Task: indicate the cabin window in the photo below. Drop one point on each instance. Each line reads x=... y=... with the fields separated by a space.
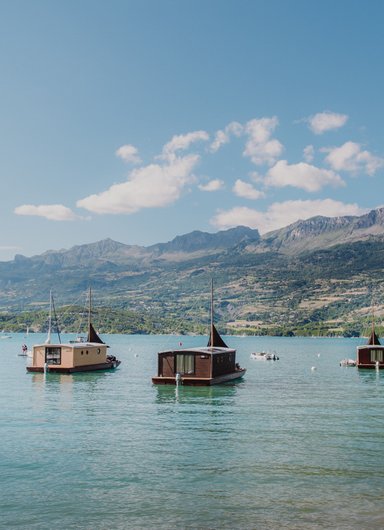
x=185 y=364
x=53 y=355
x=376 y=355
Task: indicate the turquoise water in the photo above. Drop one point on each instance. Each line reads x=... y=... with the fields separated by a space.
x=287 y=448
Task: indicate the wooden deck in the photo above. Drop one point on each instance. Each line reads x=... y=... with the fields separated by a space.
x=84 y=368
x=199 y=381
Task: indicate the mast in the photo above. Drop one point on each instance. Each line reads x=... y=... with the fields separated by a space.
x=48 y=340
x=212 y=313
x=373 y=319
x=92 y=335
x=215 y=341
x=89 y=307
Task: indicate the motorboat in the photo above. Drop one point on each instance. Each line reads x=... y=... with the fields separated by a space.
x=348 y=362
x=264 y=356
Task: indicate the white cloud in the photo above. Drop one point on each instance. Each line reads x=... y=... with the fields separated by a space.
x=128 y=153
x=281 y=214
x=256 y=177
x=223 y=137
x=309 y=153
x=212 y=185
x=181 y=142
x=152 y=186
x=246 y=190
x=10 y=247
x=53 y=212
x=302 y=175
x=326 y=121
x=350 y=157
x=260 y=147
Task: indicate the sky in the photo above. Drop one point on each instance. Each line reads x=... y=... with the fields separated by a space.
x=142 y=120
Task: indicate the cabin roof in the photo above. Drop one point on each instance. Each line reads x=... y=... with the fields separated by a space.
x=73 y=345
x=206 y=350
x=371 y=347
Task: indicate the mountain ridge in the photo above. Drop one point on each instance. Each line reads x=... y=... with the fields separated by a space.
x=318 y=270
x=315 y=232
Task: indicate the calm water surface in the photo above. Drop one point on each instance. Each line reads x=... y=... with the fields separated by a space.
x=287 y=448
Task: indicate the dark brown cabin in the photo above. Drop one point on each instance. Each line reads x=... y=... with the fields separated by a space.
x=371 y=355
x=199 y=366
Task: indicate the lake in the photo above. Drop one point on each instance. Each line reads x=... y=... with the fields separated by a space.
x=288 y=447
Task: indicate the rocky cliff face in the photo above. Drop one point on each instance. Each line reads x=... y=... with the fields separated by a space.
x=323 y=232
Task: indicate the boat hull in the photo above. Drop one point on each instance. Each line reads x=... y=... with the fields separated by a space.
x=73 y=369
x=199 y=381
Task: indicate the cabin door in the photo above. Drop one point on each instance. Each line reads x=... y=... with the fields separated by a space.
x=53 y=355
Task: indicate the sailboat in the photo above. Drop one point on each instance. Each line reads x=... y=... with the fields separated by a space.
x=70 y=357
x=208 y=365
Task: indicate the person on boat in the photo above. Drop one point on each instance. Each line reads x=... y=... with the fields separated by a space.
x=24 y=348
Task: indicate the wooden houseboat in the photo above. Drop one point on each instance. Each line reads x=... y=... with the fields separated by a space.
x=210 y=365
x=371 y=355
x=75 y=356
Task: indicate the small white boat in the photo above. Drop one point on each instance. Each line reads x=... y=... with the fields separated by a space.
x=264 y=356
x=347 y=362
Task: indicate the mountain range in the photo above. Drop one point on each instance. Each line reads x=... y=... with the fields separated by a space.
x=323 y=271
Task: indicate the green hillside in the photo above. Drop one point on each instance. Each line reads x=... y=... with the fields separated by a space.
x=288 y=282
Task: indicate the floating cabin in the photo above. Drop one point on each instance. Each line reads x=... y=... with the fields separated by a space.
x=75 y=356
x=371 y=355
x=210 y=365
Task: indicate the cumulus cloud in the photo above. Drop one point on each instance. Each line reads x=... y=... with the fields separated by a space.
x=350 y=157
x=9 y=247
x=223 y=136
x=152 y=186
x=260 y=147
x=52 y=212
x=309 y=153
x=256 y=177
x=181 y=142
x=304 y=176
x=281 y=214
x=326 y=121
x=212 y=185
x=246 y=190
x=128 y=153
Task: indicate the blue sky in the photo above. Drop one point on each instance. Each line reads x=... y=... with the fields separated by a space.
x=143 y=120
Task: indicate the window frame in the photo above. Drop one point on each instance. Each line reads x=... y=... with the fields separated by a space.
x=182 y=367
x=376 y=356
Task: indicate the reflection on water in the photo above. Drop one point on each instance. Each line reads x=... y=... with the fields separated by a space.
x=65 y=389
x=55 y=378
x=205 y=395
x=367 y=376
